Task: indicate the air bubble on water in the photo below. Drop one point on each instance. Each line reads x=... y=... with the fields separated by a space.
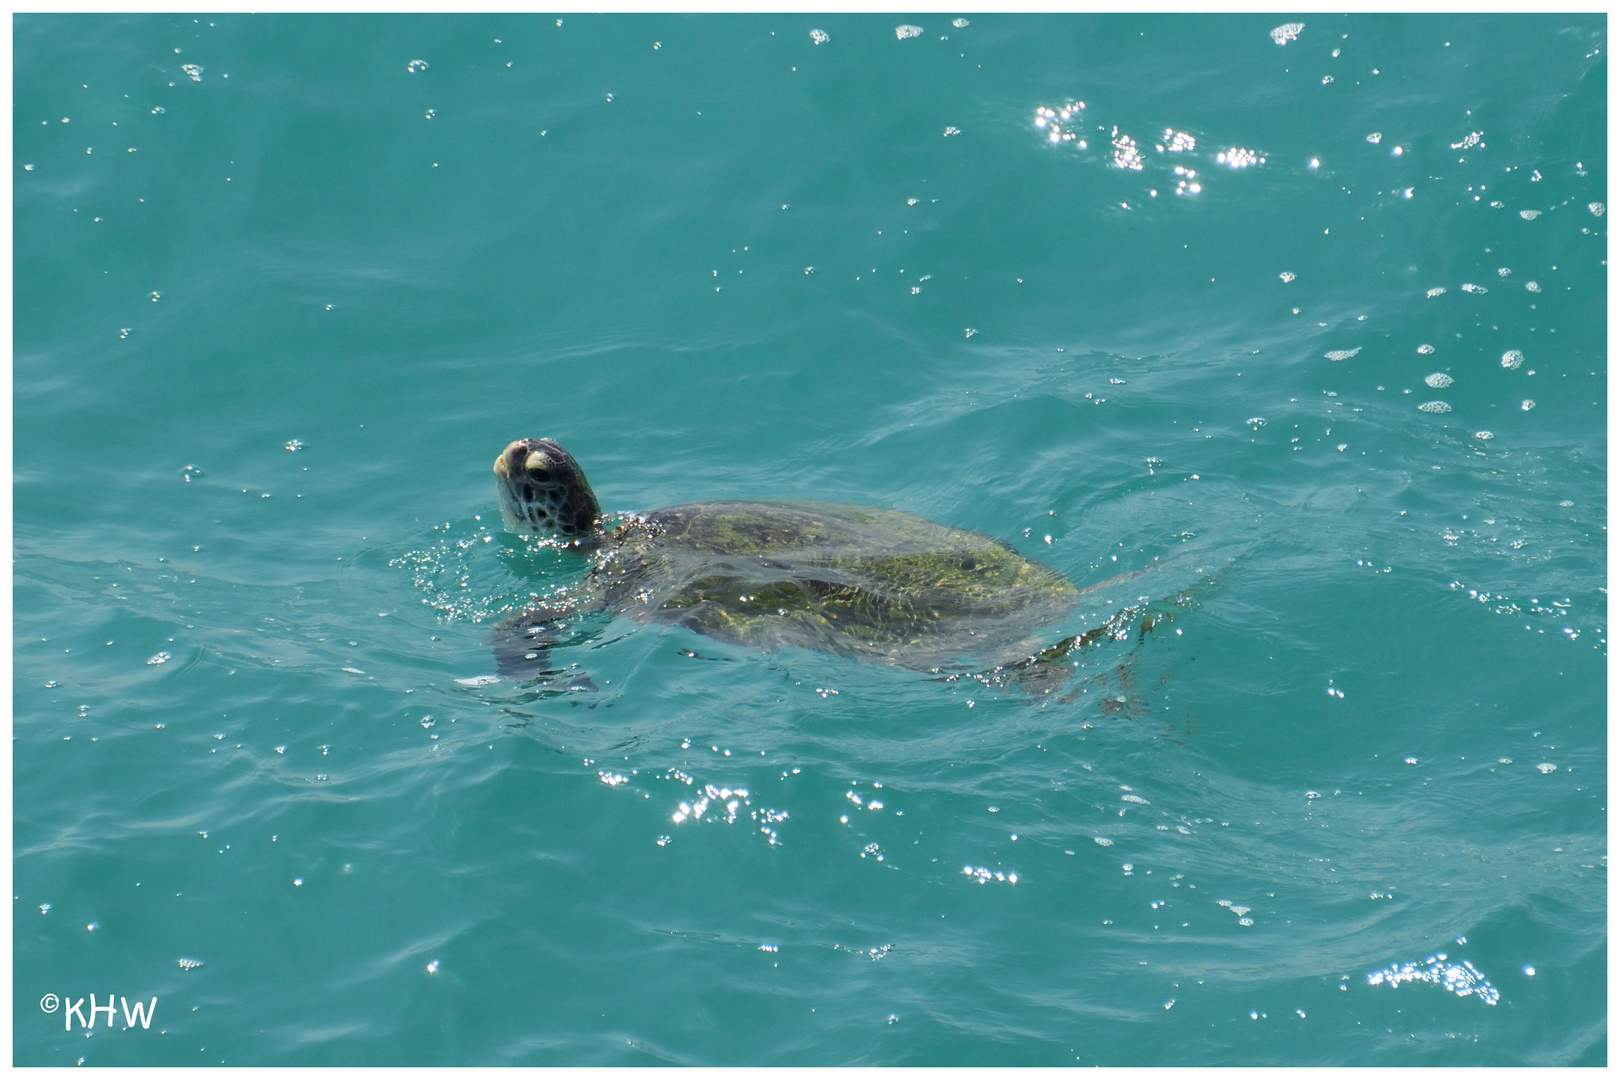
x=1531 y=286
x=416 y=65
x=1529 y=215
x=1484 y=435
x=160 y=658
x=1438 y=290
x=1342 y=354
x=1470 y=287
x=1546 y=767
x=1287 y=32
x=1439 y=380
x=960 y=24
x=1375 y=138
x=1434 y=407
x=1287 y=276
x=1512 y=359
x=1103 y=841
x=820 y=37
x=1527 y=404
x=1425 y=350
x=904 y=31
x=1596 y=208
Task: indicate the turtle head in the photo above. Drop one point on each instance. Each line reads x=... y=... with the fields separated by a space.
x=540 y=488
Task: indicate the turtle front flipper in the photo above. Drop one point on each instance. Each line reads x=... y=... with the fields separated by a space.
x=522 y=646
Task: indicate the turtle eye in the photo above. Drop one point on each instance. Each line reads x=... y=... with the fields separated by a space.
x=541 y=475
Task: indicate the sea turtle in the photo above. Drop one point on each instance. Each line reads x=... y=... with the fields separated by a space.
x=875 y=584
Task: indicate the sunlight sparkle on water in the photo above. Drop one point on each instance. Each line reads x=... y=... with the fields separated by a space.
x=1460 y=978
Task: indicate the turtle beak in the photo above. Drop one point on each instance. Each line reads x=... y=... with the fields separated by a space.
x=508 y=459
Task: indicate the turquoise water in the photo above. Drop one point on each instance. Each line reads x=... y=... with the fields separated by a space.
x=276 y=314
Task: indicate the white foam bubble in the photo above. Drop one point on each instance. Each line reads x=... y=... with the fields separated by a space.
x=1512 y=359
x=1434 y=407
x=1439 y=380
x=1287 y=32
x=1342 y=354
x=905 y=31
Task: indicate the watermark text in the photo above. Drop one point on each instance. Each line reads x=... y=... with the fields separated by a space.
x=140 y=1012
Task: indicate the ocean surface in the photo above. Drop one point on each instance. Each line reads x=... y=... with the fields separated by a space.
x=1301 y=326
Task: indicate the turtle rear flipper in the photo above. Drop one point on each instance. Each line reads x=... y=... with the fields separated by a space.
x=1048 y=670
